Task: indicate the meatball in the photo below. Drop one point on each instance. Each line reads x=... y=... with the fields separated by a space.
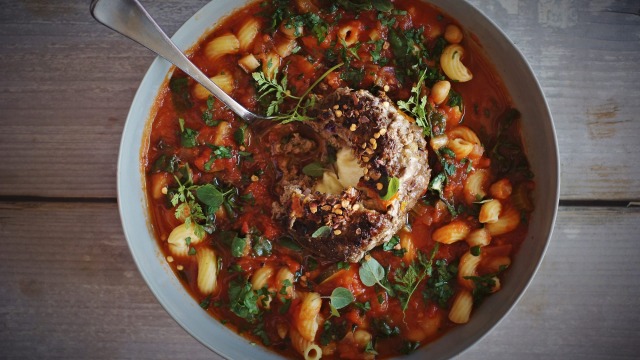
x=351 y=208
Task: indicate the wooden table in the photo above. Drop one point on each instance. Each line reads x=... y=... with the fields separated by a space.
x=69 y=288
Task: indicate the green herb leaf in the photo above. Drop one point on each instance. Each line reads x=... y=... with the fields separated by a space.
x=439 y=287
x=205 y=302
x=364 y=307
x=371 y=273
x=333 y=331
x=280 y=93
x=384 y=329
x=391 y=244
x=238 y=246
x=187 y=136
x=210 y=195
x=369 y=349
x=341 y=297
x=289 y=243
x=243 y=300
x=484 y=284
x=240 y=134
x=392 y=188
x=262 y=247
x=314 y=169
x=407 y=281
x=409 y=346
x=382 y=5
x=322 y=232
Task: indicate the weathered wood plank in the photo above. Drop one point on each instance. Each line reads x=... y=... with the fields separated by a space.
x=71 y=290
x=66 y=84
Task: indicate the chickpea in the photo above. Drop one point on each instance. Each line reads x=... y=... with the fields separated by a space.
x=453 y=34
x=440 y=91
x=362 y=337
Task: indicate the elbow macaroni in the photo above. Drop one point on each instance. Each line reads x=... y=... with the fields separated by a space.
x=490 y=211
x=507 y=222
x=461 y=307
x=452 y=65
x=207 y=270
x=179 y=237
x=454 y=231
x=475 y=187
x=247 y=33
x=307 y=348
x=223 y=80
x=306 y=323
x=222 y=45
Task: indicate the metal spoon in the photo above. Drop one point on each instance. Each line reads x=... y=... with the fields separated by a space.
x=129 y=18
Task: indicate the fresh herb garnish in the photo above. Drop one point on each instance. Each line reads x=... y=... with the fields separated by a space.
x=187 y=206
x=314 y=169
x=340 y=298
x=289 y=243
x=408 y=279
x=409 y=346
x=243 y=300
x=392 y=189
x=333 y=331
x=262 y=246
x=218 y=152
x=271 y=87
x=371 y=273
x=322 y=232
x=207 y=115
x=238 y=247
x=484 y=284
x=417 y=106
x=369 y=349
x=355 y=5
x=391 y=244
x=439 y=289
x=187 y=136
x=384 y=329
x=240 y=135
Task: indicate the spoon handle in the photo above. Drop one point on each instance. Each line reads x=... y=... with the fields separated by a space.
x=129 y=18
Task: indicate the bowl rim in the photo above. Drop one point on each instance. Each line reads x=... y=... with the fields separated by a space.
x=185 y=40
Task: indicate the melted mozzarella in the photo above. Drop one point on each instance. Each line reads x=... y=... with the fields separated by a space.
x=348 y=174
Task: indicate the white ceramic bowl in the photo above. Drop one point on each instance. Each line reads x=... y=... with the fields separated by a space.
x=540 y=142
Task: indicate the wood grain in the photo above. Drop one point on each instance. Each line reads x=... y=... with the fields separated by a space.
x=71 y=290
x=66 y=84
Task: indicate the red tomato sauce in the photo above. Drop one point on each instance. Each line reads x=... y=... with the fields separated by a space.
x=227 y=172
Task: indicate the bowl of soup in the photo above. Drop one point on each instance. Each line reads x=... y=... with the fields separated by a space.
x=398 y=203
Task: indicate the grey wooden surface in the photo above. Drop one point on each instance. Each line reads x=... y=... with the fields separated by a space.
x=69 y=288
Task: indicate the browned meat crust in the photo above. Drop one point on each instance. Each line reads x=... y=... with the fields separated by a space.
x=387 y=144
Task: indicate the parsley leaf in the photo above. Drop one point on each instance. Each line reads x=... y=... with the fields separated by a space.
x=280 y=93
x=407 y=280
x=187 y=136
x=243 y=300
x=439 y=288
